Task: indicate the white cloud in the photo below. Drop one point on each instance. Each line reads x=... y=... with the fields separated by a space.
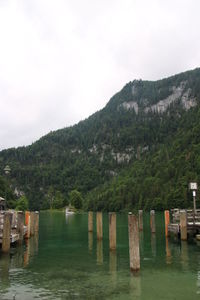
x=60 y=61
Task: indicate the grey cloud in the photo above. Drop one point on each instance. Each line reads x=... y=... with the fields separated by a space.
x=60 y=61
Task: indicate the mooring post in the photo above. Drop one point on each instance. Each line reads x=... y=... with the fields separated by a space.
x=183 y=224
x=99 y=225
x=167 y=221
x=36 y=223
x=27 y=223
x=6 y=233
x=20 y=225
x=152 y=221
x=112 y=230
x=140 y=220
x=134 y=250
x=32 y=223
x=90 y=221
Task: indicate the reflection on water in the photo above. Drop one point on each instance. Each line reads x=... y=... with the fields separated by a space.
x=11 y=267
x=99 y=252
x=69 y=218
x=4 y=270
x=153 y=244
x=90 y=241
x=67 y=262
x=184 y=255
x=141 y=240
x=168 y=251
x=113 y=268
x=135 y=285
x=31 y=249
x=113 y=262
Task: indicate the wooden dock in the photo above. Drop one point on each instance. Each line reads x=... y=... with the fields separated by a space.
x=19 y=226
x=192 y=221
x=14 y=235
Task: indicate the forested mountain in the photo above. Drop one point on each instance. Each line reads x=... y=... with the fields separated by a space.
x=141 y=150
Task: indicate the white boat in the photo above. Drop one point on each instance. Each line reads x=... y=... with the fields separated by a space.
x=68 y=212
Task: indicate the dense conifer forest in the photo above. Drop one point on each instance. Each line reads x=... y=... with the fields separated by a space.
x=140 y=151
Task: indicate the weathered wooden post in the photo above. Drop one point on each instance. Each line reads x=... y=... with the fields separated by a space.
x=27 y=223
x=14 y=220
x=36 y=223
x=6 y=233
x=152 y=221
x=32 y=223
x=167 y=221
x=90 y=221
x=20 y=226
x=112 y=230
x=99 y=226
x=183 y=224
x=140 y=220
x=134 y=251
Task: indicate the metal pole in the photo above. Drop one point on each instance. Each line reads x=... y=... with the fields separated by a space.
x=194 y=205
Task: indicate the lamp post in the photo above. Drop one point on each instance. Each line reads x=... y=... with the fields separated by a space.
x=7 y=170
x=193 y=187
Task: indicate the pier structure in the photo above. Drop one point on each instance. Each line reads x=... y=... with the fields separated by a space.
x=184 y=223
x=15 y=226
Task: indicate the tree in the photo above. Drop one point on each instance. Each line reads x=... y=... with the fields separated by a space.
x=58 y=200
x=22 y=203
x=76 y=199
x=55 y=198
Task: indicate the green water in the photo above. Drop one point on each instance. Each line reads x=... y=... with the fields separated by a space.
x=66 y=262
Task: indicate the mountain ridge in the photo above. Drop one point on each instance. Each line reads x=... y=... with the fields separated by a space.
x=135 y=122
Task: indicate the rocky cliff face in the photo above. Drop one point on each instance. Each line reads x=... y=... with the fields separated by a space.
x=184 y=96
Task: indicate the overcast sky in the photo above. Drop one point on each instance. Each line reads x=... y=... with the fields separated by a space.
x=62 y=60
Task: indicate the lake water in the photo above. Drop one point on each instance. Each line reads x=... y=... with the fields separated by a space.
x=65 y=262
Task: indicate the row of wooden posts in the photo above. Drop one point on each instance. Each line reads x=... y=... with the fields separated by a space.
x=135 y=224
x=27 y=225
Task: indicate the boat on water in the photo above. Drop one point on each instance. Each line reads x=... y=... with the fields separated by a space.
x=68 y=211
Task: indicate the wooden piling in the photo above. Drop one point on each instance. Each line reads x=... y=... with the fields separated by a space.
x=99 y=225
x=20 y=226
x=167 y=222
x=36 y=223
x=6 y=233
x=152 y=221
x=112 y=230
x=183 y=224
x=32 y=223
x=90 y=221
x=140 y=220
x=134 y=251
x=27 y=223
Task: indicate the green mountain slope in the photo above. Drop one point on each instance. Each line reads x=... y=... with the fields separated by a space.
x=159 y=180
x=131 y=153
